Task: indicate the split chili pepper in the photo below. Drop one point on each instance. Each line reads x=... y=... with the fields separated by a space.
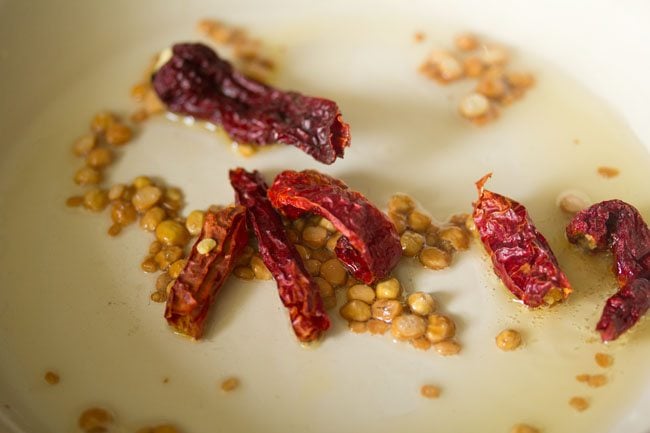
x=298 y=292
x=617 y=226
x=199 y=282
x=196 y=82
x=520 y=254
x=369 y=246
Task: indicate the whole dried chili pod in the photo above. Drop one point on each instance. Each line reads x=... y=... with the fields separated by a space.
x=617 y=226
x=199 y=282
x=369 y=246
x=196 y=82
x=520 y=254
x=298 y=292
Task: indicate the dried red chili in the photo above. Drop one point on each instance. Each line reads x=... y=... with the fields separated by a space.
x=520 y=254
x=618 y=226
x=369 y=246
x=196 y=82
x=197 y=285
x=298 y=292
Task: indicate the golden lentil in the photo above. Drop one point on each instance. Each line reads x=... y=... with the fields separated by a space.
x=457 y=237
x=418 y=221
x=355 y=310
x=334 y=272
x=114 y=230
x=95 y=199
x=168 y=255
x=163 y=281
x=473 y=106
x=146 y=197
x=194 y=222
x=440 y=328
x=447 y=348
x=399 y=221
x=386 y=309
x=95 y=420
x=159 y=296
x=87 y=176
x=523 y=428
x=244 y=273
x=358 y=327
x=206 y=245
x=322 y=255
x=376 y=326
x=230 y=384
x=579 y=403
x=99 y=157
x=118 y=134
x=149 y=265
x=84 y=144
x=304 y=252
x=123 y=213
x=171 y=232
x=492 y=85
x=52 y=378
x=141 y=182
x=102 y=121
x=74 y=201
x=361 y=292
x=176 y=268
x=152 y=217
x=408 y=326
x=401 y=204
x=604 y=360
x=313 y=267
x=412 y=243
x=421 y=343
x=327 y=225
x=325 y=288
x=139 y=116
x=388 y=289
x=508 y=340
x=466 y=42
x=421 y=303
x=435 y=258
x=473 y=66
x=494 y=55
x=259 y=269
x=329 y=302
x=314 y=237
x=115 y=191
x=430 y=391
x=331 y=242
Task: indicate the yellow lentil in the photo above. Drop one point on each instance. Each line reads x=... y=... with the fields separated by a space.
x=388 y=289
x=102 y=121
x=358 y=327
x=408 y=326
x=466 y=42
x=84 y=144
x=421 y=303
x=244 y=273
x=87 y=176
x=421 y=343
x=116 y=191
x=168 y=255
x=523 y=428
x=313 y=267
x=155 y=247
x=114 y=230
x=435 y=258
x=430 y=391
x=123 y=213
x=163 y=281
x=95 y=199
x=334 y=272
x=327 y=225
x=52 y=378
x=447 y=348
x=171 y=232
x=322 y=255
x=579 y=403
x=259 y=269
x=118 y=134
x=99 y=157
x=361 y=292
x=412 y=243
x=597 y=380
x=399 y=221
x=158 y=296
x=149 y=265
x=230 y=384
x=176 y=268
x=331 y=242
x=141 y=182
x=508 y=340
x=314 y=237
x=95 y=420
x=304 y=252
x=376 y=326
x=604 y=360
x=418 y=221
x=473 y=66
x=355 y=310
x=457 y=237
x=440 y=328
x=386 y=309
x=146 y=197
x=329 y=302
x=194 y=222
x=325 y=289
x=152 y=218
x=74 y=201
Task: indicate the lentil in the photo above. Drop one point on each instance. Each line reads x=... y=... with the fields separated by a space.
x=146 y=197
x=435 y=258
x=114 y=230
x=52 y=378
x=158 y=297
x=334 y=272
x=163 y=281
x=579 y=403
x=322 y=255
x=304 y=252
x=474 y=106
x=466 y=42
x=408 y=326
x=473 y=66
x=102 y=121
x=447 y=348
x=412 y=243
x=388 y=289
x=118 y=134
x=329 y=302
x=313 y=266
x=604 y=360
x=331 y=242
x=171 y=232
x=608 y=172
x=293 y=236
x=440 y=328
x=494 y=55
x=168 y=255
x=149 y=265
x=95 y=199
x=175 y=268
x=152 y=218
x=74 y=201
x=141 y=182
x=259 y=269
x=87 y=176
x=206 y=245
x=244 y=273
x=401 y=204
x=95 y=420
x=421 y=303
x=386 y=309
x=572 y=204
x=508 y=340
x=230 y=384
x=523 y=428
x=430 y=391
x=115 y=191
x=376 y=326
x=361 y=292
x=325 y=289
x=194 y=222
x=355 y=310
x=123 y=213
x=358 y=327
x=519 y=80
x=327 y=225
x=418 y=221
x=421 y=343
x=99 y=157
x=492 y=85
x=84 y=144
x=597 y=380
x=399 y=221
x=314 y=237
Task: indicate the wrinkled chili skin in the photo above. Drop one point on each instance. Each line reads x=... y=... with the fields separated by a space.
x=521 y=256
x=196 y=82
x=298 y=292
x=617 y=226
x=199 y=282
x=369 y=246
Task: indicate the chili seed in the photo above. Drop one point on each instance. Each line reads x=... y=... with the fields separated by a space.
x=244 y=273
x=508 y=340
x=84 y=144
x=314 y=237
x=99 y=157
x=358 y=327
x=324 y=288
x=386 y=309
x=440 y=328
x=572 y=204
x=579 y=403
x=604 y=360
x=52 y=378
x=418 y=221
x=355 y=310
x=435 y=258
x=523 y=428
x=412 y=243
x=430 y=391
x=388 y=289
x=401 y=204
x=152 y=218
x=206 y=245
x=259 y=269
x=114 y=230
x=194 y=222
x=87 y=176
x=334 y=272
x=118 y=134
x=376 y=326
x=95 y=199
x=149 y=265
x=95 y=420
x=171 y=232
x=123 y=213
x=176 y=268
x=447 y=348
x=230 y=384
x=362 y=293
x=74 y=201
x=421 y=303
x=145 y=197
x=408 y=326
